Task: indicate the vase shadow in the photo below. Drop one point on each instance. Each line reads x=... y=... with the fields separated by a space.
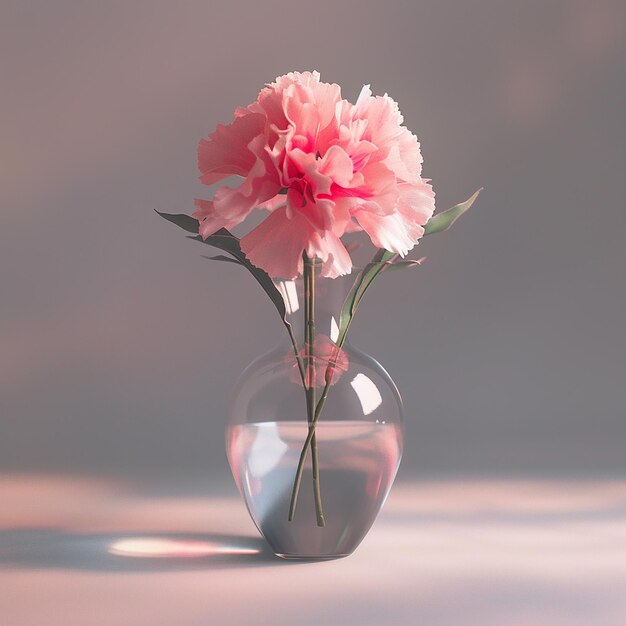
x=42 y=547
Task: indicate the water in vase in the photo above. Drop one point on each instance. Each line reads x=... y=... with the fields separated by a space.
x=358 y=461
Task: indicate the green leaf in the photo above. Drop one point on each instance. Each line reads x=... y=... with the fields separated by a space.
x=381 y=259
x=398 y=265
x=221 y=257
x=361 y=285
x=384 y=259
x=227 y=242
x=186 y=222
x=442 y=221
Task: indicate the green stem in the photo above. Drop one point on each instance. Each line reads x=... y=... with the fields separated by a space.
x=318 y=411
x=310 y=391
x=294 y=345
x=316 y=415
x=319 y=510
x=380 y=258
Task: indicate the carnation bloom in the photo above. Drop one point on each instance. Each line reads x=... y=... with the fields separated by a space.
x=322 y=167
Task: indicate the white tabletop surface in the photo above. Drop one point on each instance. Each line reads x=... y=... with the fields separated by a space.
x=444 y=552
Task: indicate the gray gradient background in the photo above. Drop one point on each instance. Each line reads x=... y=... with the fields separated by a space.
x=118 y=343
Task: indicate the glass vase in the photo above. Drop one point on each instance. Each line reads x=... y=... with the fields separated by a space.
x=314 y=482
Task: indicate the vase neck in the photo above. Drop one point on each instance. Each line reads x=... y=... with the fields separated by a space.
x=329 y=297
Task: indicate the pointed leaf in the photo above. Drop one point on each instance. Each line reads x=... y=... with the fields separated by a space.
x=221 y=257
x=186 y=222
x=442 y=221
x=226 y=241
x=381 y=259
x=361 y=284
x=397 y=265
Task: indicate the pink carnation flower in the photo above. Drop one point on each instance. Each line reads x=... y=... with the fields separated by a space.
x=322 y=167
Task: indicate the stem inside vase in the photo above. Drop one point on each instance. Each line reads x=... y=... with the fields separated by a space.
x=310 y=392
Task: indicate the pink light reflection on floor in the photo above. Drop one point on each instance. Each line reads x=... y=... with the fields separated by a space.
x=518 y=552
x=155 y=547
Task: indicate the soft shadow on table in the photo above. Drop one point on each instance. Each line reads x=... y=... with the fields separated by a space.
x=131 y=552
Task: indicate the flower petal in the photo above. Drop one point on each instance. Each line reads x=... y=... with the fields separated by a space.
x=261 y=184
x=385 y=231
x=226 y=152
x=365 y=93
x=416 y=206
x=210 y=220
x=277 y=243
x=329 y=248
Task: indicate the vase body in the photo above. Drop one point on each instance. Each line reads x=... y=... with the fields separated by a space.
x=358 y=435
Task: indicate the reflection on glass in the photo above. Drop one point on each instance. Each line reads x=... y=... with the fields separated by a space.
x=334 y=328
x=367 y=393
x=267 y=450
x=289 y=293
